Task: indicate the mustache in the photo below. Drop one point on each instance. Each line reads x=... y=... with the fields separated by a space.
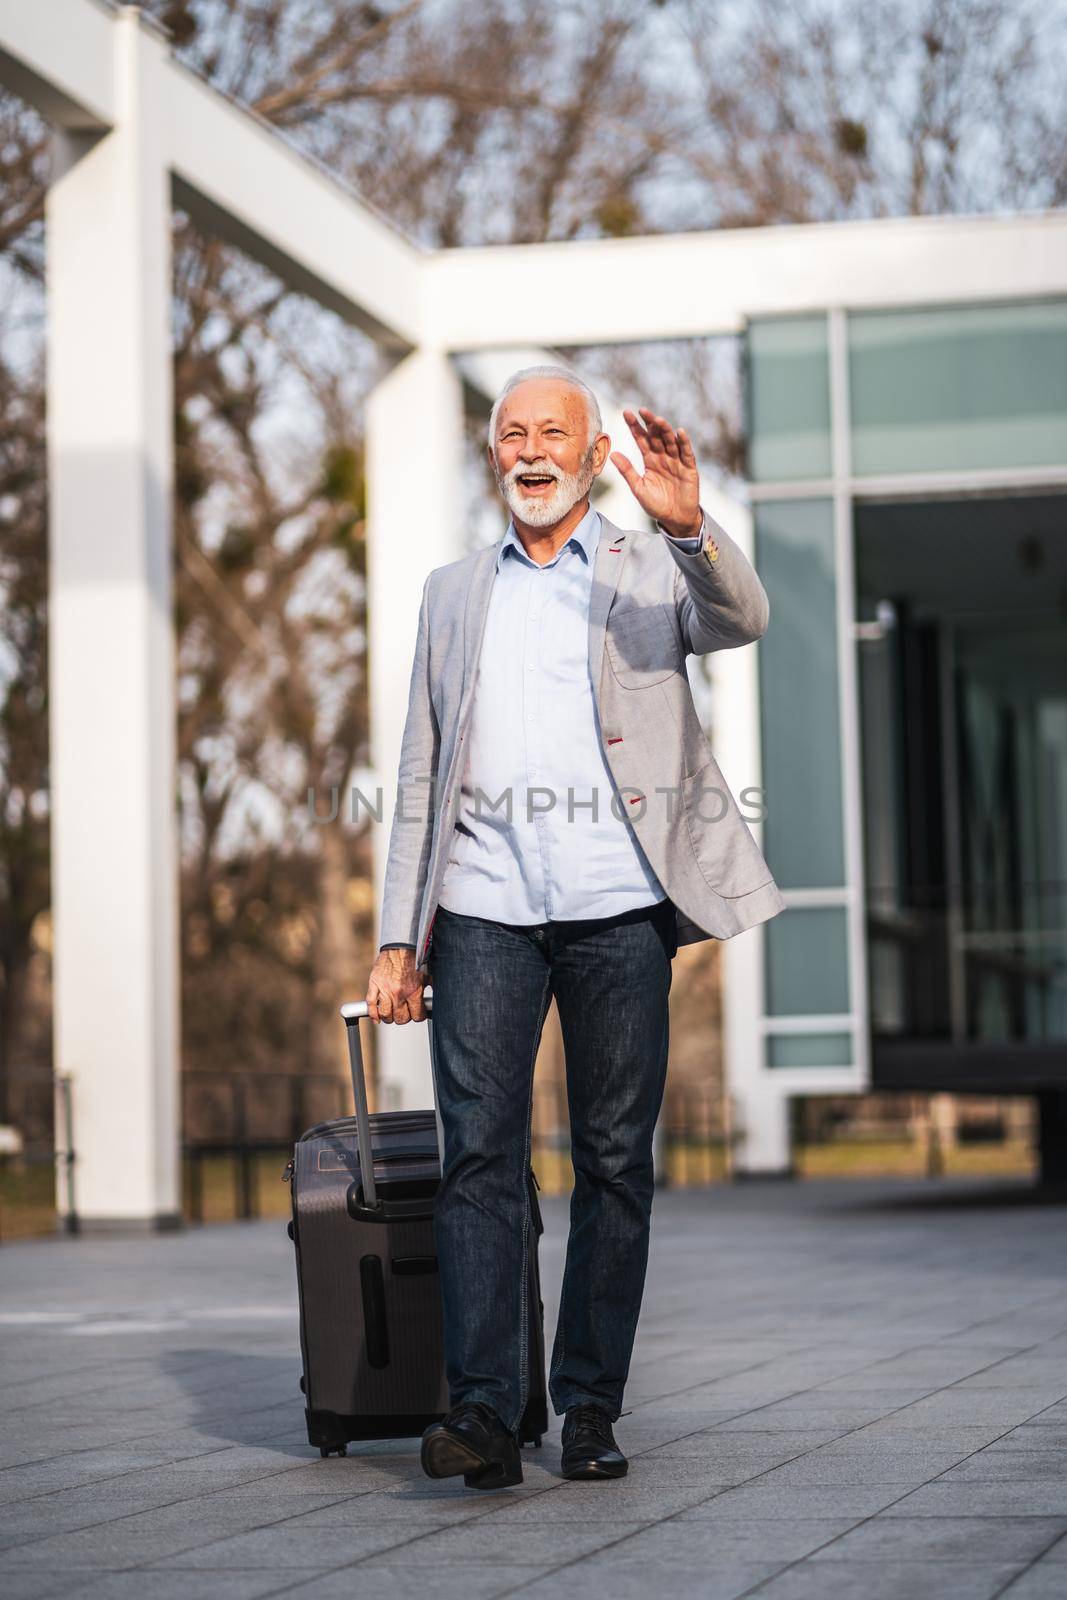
x=521 y=469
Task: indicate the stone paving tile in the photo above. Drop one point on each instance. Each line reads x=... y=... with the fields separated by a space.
x=901 y=1387
x=1051 y=1416
x=412 y=1509
x=1039 y=1582
x=409 y=1482
x=903 y=1580
x=659 y=1472
x=337 y=1475
x=280 y=1548
x=741 y=1535
x=893 y=1434
x=71 y=1472
x=762 y=1501
x=650 y=1427
x=155 y=1583
x=963 y=1406
x=1011 y=1466
x=474 y=1580
x=109 y=1544
x=624 y=1499
x=26 y=1522
x=30 y=1585
x=487 y=1539
x=865 y=1397
x=210 y=1463
x=40 y=1443
x=135 y=1536
x=732 y=1400
x=728 y=1473
x=865 y=1446
x=1033 y=1435
x=185 y=1480
x=944 y=1499
x=787 y=1416
x=689 y=1541
x=1022 y=1372
x=642 y=1579
x=719 y=1447
x=948 y=1538
x=904 y=1467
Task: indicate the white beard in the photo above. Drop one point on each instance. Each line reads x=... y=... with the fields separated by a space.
x=542 y=513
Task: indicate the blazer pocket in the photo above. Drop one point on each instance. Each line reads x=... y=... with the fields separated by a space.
x=728 y=856
x=642 y=646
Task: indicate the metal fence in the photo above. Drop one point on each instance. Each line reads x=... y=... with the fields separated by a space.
x=240 y=1119
x=235 y=1124
x=37 y=1166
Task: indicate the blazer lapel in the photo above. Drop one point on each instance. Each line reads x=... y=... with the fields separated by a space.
x=474 y=616
x=612 y=549
x=611 y=552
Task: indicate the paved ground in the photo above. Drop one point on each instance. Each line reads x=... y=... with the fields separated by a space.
x=840 y=1390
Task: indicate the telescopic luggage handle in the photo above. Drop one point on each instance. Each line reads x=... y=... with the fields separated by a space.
x=353 y=1014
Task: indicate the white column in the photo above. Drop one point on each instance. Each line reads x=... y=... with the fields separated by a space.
x=415 y=504
x=759 y=1107
x=111 y=670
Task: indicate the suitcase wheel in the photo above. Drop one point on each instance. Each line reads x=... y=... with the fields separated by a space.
x=303 y=1386
x=333 y=1450
x=289 y=1231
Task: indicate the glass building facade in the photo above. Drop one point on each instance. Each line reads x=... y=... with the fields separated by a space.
x=908 y=476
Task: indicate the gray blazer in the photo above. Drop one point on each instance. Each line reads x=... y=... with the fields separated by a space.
x=651 y=606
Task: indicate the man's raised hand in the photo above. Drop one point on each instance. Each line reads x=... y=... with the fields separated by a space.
x=669 y=491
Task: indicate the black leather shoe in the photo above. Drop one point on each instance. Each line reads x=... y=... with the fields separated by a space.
x=589 y=1447
x=473 y=1440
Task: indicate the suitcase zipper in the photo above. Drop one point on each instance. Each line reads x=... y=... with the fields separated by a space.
x=288 y=1172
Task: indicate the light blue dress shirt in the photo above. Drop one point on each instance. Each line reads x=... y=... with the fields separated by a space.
x=545 y=855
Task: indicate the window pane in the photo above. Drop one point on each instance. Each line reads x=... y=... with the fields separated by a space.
x=802 y=837
x=807 y=962
x=961 y=386
x=788 y=399
x=809 y=1049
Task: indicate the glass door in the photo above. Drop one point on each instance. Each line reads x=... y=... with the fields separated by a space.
x=963 y=711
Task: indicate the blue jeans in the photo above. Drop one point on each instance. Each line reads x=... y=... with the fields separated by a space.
x=492 y=984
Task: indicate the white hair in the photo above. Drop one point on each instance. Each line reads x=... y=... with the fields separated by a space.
x=561 y=375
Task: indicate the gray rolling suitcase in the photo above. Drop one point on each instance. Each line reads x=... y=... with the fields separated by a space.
x=366 y=1266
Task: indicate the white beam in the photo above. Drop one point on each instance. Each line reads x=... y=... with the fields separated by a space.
x=111 y=666
x=691 y=285
x=239 y=177
x=232 y=171
x=414 y=471
x=59 y=58
x=761 y=1111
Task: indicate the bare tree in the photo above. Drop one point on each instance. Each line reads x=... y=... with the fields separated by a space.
x=820 y=110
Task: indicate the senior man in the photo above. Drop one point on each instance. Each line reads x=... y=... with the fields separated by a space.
x=561 y=827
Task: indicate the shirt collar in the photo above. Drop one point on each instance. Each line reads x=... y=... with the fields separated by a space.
x=584 y=539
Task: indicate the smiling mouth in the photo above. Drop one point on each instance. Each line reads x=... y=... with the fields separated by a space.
x=533 y=481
